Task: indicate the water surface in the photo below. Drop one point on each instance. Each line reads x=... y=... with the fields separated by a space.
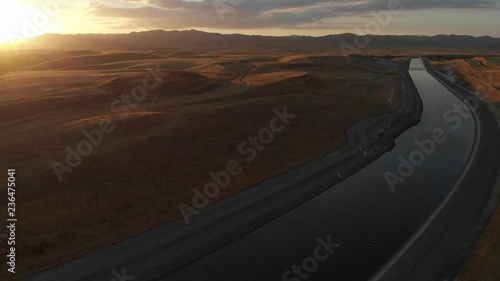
x=361 y=213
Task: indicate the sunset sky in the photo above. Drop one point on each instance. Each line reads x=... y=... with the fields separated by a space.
x=27 y=18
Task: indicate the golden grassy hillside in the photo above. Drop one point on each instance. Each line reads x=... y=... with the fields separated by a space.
x=203 y=107
x=478 y=73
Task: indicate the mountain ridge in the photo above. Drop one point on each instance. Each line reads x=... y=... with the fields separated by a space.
x=195 y=39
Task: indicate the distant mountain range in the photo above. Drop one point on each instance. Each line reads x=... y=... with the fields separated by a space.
x=198 y=40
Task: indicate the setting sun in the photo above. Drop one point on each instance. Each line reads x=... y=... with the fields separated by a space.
x=19 y=21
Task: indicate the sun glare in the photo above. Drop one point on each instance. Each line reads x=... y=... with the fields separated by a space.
x=19 y=21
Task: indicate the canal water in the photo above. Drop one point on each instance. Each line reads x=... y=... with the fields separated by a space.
x=369 y=218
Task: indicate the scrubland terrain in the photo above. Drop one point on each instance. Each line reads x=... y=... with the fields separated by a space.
x=195 y=111
x=474 y=73
x=481 y=74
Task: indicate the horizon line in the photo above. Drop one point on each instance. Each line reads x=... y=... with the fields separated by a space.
x=262 y=35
